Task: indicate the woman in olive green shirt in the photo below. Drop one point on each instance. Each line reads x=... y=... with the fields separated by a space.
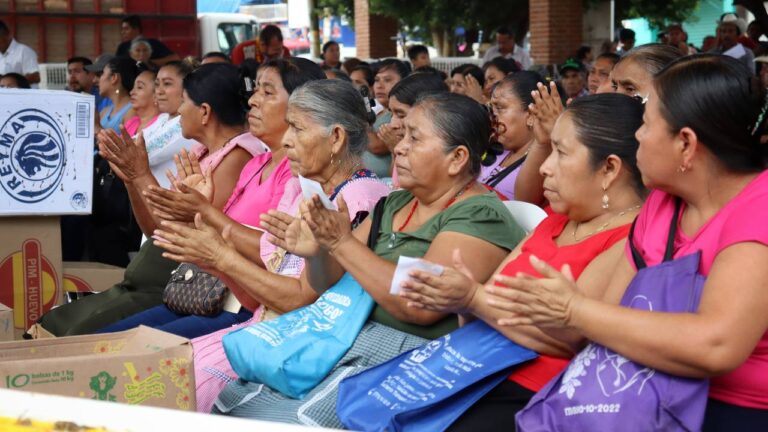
x=442 y=208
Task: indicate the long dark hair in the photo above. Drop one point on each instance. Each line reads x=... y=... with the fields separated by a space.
x=603 y=138
x=218 y=85
x=714 y=96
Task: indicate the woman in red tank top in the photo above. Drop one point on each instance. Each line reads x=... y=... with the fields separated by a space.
x=594 y=189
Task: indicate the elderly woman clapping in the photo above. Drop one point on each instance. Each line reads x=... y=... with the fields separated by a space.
x=326 y=136
x=441 y=207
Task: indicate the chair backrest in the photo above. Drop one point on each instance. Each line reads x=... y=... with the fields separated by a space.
x=527 y=215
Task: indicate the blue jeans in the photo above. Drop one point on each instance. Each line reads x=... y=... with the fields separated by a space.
x=188 y=326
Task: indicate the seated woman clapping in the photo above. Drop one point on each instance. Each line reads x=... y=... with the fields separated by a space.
x=260 y=187
x=707 y=166
x=209 y=114
x=441 y=208
x=594 y=188
x=326 y=137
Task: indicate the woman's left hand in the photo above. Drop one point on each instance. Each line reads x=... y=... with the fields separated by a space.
x=451 y=292
x=329 y=227
x=549 y=301
x=179 y=205
x=200 y=244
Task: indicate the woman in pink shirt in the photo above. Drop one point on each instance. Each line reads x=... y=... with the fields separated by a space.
x=258 y=189
x=699 y=144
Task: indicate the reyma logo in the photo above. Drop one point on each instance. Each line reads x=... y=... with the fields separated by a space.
x=32 y=281
x=31 y=156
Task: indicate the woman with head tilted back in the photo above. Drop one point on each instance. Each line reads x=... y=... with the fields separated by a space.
x=632 y=76
x=595 y=190
x=699 y=147
x=327 y=134
x=441 y=207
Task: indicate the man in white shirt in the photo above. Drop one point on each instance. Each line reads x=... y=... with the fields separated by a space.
x=17 y=57
x=506 y=47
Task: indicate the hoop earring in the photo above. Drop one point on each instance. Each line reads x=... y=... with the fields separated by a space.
x=606 y=200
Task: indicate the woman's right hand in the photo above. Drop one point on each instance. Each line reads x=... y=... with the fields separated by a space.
x=190 y=174
x=128 y=158
x=199 y=244
x=290 y=233
x=545 y=109
x=390 y=135
x=474 y=89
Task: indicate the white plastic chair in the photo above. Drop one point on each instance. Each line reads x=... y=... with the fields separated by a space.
x=527 y=215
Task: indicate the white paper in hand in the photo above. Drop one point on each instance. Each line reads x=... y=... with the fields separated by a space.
x=310 y=188
x=407 y=264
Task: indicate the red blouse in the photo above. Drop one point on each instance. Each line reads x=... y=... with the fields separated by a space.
x=536 y=374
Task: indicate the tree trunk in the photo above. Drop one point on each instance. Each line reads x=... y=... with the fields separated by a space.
x=437 y=40
x=448 y=44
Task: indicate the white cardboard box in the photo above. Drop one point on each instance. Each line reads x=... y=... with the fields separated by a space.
x=46 y=152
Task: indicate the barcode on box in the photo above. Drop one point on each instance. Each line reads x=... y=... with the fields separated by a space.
x=83 y=119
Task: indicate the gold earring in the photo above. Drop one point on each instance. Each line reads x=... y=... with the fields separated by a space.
x=606 y=200
x=681 y=169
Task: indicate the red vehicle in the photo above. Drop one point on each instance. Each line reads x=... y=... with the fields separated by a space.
x=60 y=29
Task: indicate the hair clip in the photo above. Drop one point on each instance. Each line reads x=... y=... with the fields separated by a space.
x=761 y=117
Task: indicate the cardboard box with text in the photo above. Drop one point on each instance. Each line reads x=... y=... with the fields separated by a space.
x=142 y=366
x=30 y=267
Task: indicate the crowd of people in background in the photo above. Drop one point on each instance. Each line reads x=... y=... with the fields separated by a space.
x=197 y=166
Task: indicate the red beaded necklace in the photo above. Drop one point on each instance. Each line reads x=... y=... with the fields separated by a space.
x=448 y=204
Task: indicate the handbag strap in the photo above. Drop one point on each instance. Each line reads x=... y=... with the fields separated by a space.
x=498 y=177
x=378 y=212
x=638 y=258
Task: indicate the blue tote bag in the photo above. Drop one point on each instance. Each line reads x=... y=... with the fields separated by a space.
x=295 y=351
x=429 y=388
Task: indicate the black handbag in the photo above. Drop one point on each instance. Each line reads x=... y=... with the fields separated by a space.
x=192 y=291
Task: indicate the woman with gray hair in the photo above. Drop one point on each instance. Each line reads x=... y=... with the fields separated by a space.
x=327 y=133
x=141 y=51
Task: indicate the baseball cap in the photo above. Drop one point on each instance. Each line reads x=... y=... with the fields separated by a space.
x=572 y=64
x=100 y=63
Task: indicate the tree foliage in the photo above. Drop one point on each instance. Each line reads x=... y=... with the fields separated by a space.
x=658 y=13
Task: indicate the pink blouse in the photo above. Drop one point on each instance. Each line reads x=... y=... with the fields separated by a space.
x=743 y=219
x=252 y=196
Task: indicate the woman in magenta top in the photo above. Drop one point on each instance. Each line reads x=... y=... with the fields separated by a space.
x=700 y=144
x=143 y=101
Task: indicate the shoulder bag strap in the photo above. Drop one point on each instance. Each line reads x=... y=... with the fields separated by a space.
x=496 y=179
x=378 y=212
x=670 y=249
x=673 y=231
x=636 y=256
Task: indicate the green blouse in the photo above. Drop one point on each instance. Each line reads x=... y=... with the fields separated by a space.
x=480 y=216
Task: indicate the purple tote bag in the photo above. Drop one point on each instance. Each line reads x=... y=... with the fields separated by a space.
x=601 y=390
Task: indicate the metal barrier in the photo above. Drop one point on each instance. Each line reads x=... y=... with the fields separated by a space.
x=53 y=76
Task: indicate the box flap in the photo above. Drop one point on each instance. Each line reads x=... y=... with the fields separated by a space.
x=138 y=341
